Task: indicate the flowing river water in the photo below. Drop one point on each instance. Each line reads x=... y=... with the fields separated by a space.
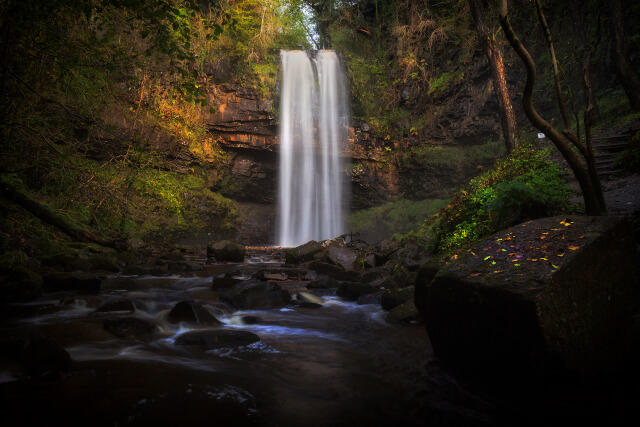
x=341 y=364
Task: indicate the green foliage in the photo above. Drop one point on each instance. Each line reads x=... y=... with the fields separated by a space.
x=629 y=159
x=426 y=154
x=394 y=217
x=523 y=186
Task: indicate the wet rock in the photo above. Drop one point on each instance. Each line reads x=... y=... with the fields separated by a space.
x=323 y=282
x=554 y=314
x=350 y=276
x=130 y=327
x=218 y=338
x=251 y=320
x=352 y=290
x=370 y=260
x=404 y=313
x=191 y=312
x=383 y=251
x=20 y=284
x=280 y=273
x=116 y=304
x=372 y=275
x=307 y=300
x=224 y=282
x=410 y=257
x=255 y=294
x=184 y=266
x=226 y=251
x=394 y=297
x=324 y=267
x=344 y=257
x=72 y=281
x=135 y=243
x=303 y=253
x=41 y=355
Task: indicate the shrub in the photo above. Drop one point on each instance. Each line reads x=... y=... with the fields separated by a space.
x=525 y=185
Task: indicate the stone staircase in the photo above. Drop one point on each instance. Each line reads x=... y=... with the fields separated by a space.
x=606 y=146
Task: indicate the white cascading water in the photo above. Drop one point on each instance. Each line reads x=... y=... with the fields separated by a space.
x=313 y=123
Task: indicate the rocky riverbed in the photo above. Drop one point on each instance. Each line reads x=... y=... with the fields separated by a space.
x=324 y=334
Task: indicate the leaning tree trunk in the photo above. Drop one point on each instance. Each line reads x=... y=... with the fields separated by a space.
x=628 y=76
x=591 y=190
x=510 y=128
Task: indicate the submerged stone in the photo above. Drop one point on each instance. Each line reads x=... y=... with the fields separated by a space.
x=218 y=338
x=256 y=294
x=130 y=327
x=191 y=312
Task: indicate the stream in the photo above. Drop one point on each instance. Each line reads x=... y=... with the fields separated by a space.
x=341 y=364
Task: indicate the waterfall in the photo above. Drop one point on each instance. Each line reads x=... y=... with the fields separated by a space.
x=313 y=123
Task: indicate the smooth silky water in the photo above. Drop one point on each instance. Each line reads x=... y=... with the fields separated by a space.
x=341 y=364
x=314 y=116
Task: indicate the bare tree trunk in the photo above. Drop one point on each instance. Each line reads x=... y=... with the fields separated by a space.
x=628 y=77
x=582 y=39
x=594 y=202
x=510 y=128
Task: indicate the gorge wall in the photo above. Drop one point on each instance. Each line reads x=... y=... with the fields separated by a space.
x=245 y=126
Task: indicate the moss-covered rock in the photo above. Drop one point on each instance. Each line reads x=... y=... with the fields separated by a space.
x=226 y=251
x=303 y=253
x=551 y=295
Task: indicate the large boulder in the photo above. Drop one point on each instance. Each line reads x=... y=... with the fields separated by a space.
x=255 y=294
x=394 y=297
x=344 y=257
x=303 y=253
x=549 y=296
x=41 y=355
x=217 y=338
x=226 y=251
x=20 y=284
x=130 y=327
x=190 y=311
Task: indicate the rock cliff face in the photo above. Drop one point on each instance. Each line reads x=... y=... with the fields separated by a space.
x=245 y=126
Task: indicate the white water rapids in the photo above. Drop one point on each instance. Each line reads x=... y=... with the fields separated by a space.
x=314 y=118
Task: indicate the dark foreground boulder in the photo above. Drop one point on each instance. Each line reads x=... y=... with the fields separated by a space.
x=191 y=312
x=130 y=327
x=42 y=356
x=549 y=296
x=404 y=313
x=116 y=304
x=352 y=290
x=256 y=294
x=218 y=338
x=226 y=251
x=395 y=296
x=303 y=253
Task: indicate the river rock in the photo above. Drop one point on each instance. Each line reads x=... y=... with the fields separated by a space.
x=280 y=273
x=352 y=290
x=41 y=355
x=307 y=300
x=383 y=250
x=374 y=274
x=395 y=296
x=303 y=253
x=255 y=294
x=184 y=266
x=218 y=338
x=130 y=327
x=190 y=311
x=565 y=310
x=324 y=282
x=226 y=251
x=344 y=257
x=20 y=284
x=72 y=281
x=116 y=304
x=224 y=282
x=324 y=267
x=404 y=313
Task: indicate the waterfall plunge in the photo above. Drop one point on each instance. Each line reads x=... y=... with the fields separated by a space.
x=313 y=123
